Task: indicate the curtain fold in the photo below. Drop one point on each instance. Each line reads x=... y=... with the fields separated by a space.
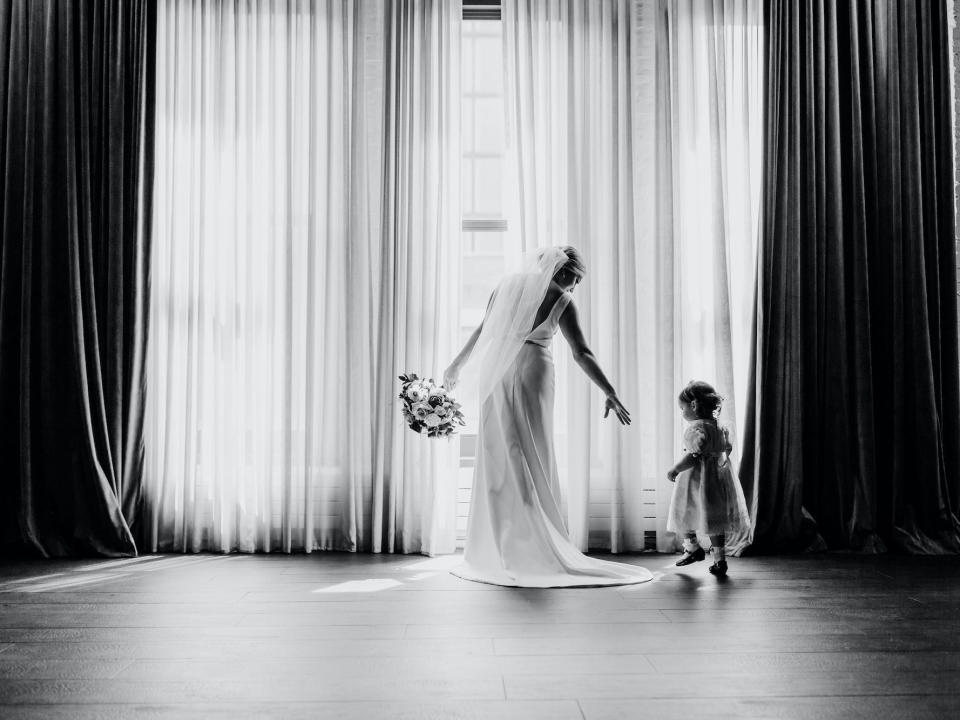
x=709 y=131
x=852 y=429
x=75 y=138
x=420 y=279
x=569 y=79
x=306 y=194
x=633 y=126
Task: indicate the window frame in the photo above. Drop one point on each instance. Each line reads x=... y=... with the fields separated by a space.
x=485 y=10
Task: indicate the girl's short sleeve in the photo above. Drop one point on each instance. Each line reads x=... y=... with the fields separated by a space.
x=695 y=438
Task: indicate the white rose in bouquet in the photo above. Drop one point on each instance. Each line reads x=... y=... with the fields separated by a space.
x=432 y=420
x=421 y=410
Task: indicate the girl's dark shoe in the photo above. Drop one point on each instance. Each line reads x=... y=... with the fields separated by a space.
x=719 y=568
x=692 y=557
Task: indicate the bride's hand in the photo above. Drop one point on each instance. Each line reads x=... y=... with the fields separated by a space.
x=451 y=376
x=613 y=403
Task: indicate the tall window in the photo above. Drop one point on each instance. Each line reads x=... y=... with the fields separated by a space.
x=486 y=245
x=483 y=142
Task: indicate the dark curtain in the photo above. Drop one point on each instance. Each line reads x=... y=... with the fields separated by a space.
x=852 y=436
x=76 y=156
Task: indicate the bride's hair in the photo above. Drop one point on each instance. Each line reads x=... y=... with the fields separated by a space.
x=574 y=264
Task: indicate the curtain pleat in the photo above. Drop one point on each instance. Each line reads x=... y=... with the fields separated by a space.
x=709 y=130
x=76 y=170
x=418 y=326
x=633 y=126
x=306 y=194
x=852 y=431
x=570 y=79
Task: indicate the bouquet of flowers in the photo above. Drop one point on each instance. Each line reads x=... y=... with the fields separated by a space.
x=428 y=408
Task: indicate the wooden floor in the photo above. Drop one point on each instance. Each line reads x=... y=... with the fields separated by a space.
x=335 y=635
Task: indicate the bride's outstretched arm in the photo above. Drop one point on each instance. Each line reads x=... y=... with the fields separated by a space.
x=452 y=374
x=570 y=325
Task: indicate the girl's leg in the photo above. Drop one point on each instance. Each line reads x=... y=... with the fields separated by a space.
x=718 y=546
x=719 y=566
x=692 y=552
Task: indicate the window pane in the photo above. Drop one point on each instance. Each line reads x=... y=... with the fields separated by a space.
x=485 y=271
x=489 y=73
x=466 y=187
x=485 y=27
x=467 y=124
x=487 y=186
x=488 y=243
x=466 y=65
x=487 y=114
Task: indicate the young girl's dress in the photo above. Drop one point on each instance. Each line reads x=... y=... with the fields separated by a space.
x=707 y=499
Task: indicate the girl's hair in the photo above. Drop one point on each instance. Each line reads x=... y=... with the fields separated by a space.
x=575 y=264
x=708 y=400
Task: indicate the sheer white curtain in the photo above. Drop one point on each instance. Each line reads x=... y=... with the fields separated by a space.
x=709 y=136
x=598 y=169
x=570 y=88
x=305 y=190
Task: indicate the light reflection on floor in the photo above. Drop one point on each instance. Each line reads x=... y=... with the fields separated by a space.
x=365 y=586
x=88 y=575
x=423 y=568
x=428 y=567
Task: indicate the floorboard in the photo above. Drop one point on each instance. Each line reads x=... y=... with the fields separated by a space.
x=337 y=635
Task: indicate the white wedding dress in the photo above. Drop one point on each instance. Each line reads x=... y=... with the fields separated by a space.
x=516 y=534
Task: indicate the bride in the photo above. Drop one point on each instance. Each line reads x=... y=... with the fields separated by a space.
x=516 y=534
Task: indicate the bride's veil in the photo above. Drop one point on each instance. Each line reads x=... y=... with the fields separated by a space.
x=508 y=321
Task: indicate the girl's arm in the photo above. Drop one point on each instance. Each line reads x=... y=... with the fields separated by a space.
x=687 y=462
x=570 y=325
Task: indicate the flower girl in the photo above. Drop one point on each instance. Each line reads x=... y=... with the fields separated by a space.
x=707 y=498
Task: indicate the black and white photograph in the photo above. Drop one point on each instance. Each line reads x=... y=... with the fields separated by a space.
x=479 y=359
